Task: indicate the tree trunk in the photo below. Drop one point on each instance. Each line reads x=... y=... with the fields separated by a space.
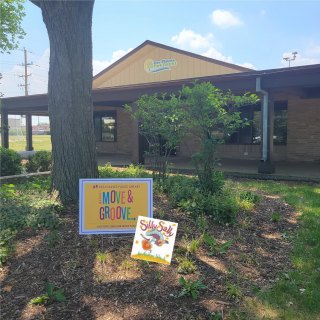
x=70 y=94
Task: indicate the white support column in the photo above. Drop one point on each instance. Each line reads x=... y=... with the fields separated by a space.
x=265 y=165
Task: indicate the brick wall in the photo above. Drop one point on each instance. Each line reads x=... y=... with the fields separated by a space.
x=125 y=138
x=303 y=141
x=233 y=151
x=303 y=130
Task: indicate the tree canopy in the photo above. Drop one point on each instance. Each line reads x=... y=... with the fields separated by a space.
x=202 y=110
x=160 y=120
x=11 y=15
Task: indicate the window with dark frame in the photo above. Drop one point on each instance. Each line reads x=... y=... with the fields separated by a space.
x=252 y=134
x=105 y=126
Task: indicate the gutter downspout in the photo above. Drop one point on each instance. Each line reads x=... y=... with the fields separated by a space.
x=265 y=120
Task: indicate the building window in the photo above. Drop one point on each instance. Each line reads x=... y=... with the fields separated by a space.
x=105 y=126
x=252 y=133
x=280 y=127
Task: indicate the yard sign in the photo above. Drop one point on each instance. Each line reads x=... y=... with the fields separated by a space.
x=154 y=240
x=112 y=206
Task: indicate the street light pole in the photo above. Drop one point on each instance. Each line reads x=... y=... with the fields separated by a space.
x=292 y=58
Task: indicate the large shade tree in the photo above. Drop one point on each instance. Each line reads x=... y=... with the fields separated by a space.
x=69 y=25
x=11 y=14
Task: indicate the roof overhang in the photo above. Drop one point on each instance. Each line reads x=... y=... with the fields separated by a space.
x=305 y=80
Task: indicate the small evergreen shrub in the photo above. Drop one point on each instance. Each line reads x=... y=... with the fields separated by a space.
x=10 y=162
x=39 y=162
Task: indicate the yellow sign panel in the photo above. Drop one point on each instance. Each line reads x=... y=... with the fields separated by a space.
x=112 y=206
x=155 y=66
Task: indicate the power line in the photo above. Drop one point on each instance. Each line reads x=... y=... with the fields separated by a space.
x=36 y=65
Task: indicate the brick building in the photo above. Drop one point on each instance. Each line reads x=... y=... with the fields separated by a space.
x=284 y=127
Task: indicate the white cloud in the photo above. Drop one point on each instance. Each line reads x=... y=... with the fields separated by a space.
x=99 y=65
x=313 y=51
x=205 y=45
x=215 y=54
x=225 y=19
x=248 y=65
x=188 y=39
x=310 y=55
x=38 y=79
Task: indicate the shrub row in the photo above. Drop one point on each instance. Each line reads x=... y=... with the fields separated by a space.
x=11 y=162
x=187 y=194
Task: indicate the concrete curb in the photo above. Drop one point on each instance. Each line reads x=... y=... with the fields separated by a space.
x=256 y=176
x=24 y=176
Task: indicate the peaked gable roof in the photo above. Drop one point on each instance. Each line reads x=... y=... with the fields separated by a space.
x=187 y=65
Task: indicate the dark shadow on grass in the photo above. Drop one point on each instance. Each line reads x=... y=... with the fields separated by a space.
x=139 y=290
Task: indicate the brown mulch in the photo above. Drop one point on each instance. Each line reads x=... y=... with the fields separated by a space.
x=123 y=288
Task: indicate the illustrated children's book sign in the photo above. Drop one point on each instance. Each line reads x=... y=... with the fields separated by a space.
x=154 y=240
x=112 y=206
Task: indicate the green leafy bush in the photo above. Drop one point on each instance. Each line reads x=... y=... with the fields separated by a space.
x=191 y=288
x=214 y=247
x=52 y=295
x=131 y=171
x=6 y=244
x=180 y=189
x=217 y=181
x=186 y=266
x=22 y=206
x=250 y=196
x=39 y=162
x=186 y=193
x=222 y=207
x=10 y=162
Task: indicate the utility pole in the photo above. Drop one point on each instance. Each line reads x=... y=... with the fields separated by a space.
x=25 y=75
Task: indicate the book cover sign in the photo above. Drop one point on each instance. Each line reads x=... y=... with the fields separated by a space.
x=154 y=240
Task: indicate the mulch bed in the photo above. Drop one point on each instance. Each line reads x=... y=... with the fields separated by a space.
x=123 y=288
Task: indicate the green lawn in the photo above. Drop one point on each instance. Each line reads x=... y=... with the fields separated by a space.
x=297 y=293
x=40 y=142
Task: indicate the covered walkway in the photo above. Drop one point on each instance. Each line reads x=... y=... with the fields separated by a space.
x=300 y=171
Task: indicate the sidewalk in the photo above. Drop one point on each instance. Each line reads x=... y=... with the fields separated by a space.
x=300 y=171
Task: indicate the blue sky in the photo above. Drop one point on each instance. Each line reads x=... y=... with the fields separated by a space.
x=256 y=34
